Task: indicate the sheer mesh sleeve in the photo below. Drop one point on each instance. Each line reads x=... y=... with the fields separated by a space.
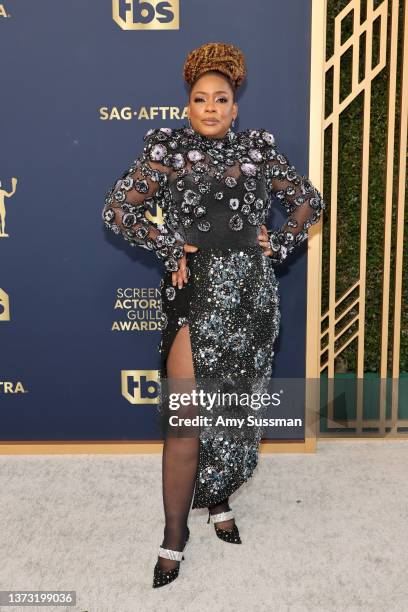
x=302 y=202
x=141 y=187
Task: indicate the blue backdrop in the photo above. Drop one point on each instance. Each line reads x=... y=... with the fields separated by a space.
x=66 y=67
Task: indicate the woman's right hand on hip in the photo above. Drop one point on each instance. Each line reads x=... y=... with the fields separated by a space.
x=180 y=277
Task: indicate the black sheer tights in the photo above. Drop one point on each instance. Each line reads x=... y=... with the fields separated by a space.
x=180 y=454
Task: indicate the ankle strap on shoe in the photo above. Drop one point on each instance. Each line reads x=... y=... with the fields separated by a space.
x=222 y=516
x=167 y=553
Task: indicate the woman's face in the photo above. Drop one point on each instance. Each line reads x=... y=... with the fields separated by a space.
x=211 y=109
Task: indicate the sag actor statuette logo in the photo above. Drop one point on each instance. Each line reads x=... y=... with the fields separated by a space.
x=3 y=195
x=4 y=298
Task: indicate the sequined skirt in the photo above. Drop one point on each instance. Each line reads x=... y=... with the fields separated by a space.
x=231 y=303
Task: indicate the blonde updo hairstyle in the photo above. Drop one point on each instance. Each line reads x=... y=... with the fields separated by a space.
x=220 y=58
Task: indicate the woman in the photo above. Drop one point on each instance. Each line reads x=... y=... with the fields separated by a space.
x=220 y=300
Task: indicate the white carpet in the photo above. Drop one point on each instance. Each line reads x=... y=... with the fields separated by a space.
x=324 y=532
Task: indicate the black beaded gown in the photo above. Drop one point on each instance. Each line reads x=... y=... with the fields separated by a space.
x=215 y=193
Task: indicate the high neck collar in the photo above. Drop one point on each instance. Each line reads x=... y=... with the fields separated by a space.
x=207 y=141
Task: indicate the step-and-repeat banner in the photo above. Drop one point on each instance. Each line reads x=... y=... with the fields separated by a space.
x=81 y=83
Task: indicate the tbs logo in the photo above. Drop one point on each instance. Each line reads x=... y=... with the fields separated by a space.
x=146 y=14
x=140 y=386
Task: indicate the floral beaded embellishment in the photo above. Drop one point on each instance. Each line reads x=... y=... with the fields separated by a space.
x=248 y=169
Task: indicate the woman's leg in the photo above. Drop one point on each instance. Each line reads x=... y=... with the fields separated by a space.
x=180 y=454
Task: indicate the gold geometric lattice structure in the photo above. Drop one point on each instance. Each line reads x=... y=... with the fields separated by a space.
x=372 y=37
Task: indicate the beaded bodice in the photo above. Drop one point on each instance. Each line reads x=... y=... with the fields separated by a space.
x=213 y=192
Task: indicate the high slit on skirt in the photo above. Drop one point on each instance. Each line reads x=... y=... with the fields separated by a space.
x=231 y=303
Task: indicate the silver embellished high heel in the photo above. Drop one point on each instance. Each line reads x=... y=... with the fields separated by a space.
x=224 y=534
x=162 y=577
